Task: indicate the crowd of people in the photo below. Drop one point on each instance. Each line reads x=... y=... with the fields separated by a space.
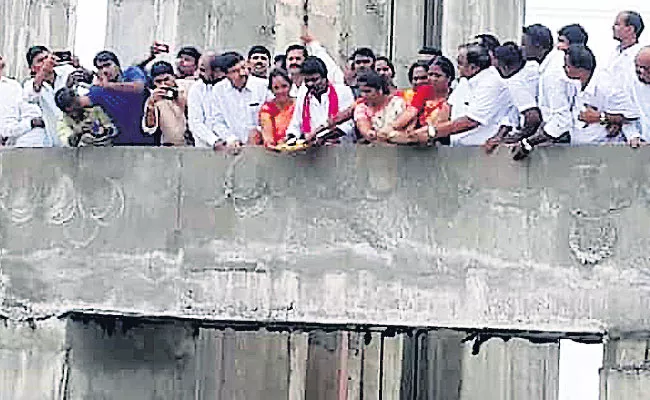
x=523 y=95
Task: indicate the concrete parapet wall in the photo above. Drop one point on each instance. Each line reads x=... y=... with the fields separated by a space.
x=381 y=236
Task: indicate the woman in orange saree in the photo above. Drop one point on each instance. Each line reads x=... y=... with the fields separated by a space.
x=275 y=115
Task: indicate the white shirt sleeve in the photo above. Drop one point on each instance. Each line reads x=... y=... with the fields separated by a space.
x=196 y=116
x=334 y=72
x=296 y=119
x=346 y=99
x=221 y=129
x=15 y=113
x=560 y=93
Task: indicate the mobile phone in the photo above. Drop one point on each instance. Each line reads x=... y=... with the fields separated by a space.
x=63 y=56
x=161 y=47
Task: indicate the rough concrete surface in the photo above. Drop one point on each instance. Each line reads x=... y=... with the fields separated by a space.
x=386 y=236
x=33 y=360
x=129 y=358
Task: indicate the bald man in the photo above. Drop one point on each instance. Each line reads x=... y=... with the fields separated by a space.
x=201 y=102
x=640 y=91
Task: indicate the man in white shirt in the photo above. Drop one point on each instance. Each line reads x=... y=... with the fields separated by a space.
x=601 y=108
x=489 y=103
x=640 y=90
x=239 y=98
x=21 y=124
x=201 y=103
x=41 y=89
x=459 y=97
x=556 y=92
x=296 y=55
x=627 y=28
x=522 y=80
x=321 y=102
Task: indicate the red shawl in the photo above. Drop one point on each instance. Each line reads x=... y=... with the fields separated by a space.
x=331 y=112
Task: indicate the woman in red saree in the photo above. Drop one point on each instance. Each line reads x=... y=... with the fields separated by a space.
x=429 y=106
x=276 y=114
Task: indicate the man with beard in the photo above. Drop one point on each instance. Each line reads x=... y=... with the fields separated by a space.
x=640 y=90
x=202 y=103
x=239 y=98
x=259 y=61
x=121 y=94
x=321 y=102
x=296 y=55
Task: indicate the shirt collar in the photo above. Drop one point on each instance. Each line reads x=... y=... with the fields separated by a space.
x=485 y=74
x=245 y=88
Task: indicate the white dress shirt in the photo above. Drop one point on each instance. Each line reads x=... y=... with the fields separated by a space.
x=334 y=72
x=459 y=99
x=489 y=104
x=319 y=111
x=44 y=98
x=202 y=114
x=640 y=93
x=16 y=117
x=237 y=111
x=556 y=95
x=621 y=63
x=523 y=88
x=606 y=97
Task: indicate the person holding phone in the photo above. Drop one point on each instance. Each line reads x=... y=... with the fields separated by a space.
x=165 y=110
x=48 y=76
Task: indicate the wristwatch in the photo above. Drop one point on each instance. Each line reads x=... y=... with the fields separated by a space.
x=431 y=133
x=603 y=119
x=525 y=144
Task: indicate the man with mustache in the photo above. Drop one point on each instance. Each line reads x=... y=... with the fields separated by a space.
x=259 y=61
x=320 y=102
x=296 y=55
x=239 y=98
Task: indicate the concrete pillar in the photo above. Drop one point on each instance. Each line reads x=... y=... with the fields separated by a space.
x=462 y=19
x=30 y=22
x=511 y=370
x=626 y=371
x=33 y=360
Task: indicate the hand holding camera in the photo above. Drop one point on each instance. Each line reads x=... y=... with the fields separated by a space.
x=164 y=93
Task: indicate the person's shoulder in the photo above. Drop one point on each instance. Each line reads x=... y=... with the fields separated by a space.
x=134 y=73
x=258 y=82
x=12 y=83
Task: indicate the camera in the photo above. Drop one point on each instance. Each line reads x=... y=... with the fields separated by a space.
x=171 y=93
